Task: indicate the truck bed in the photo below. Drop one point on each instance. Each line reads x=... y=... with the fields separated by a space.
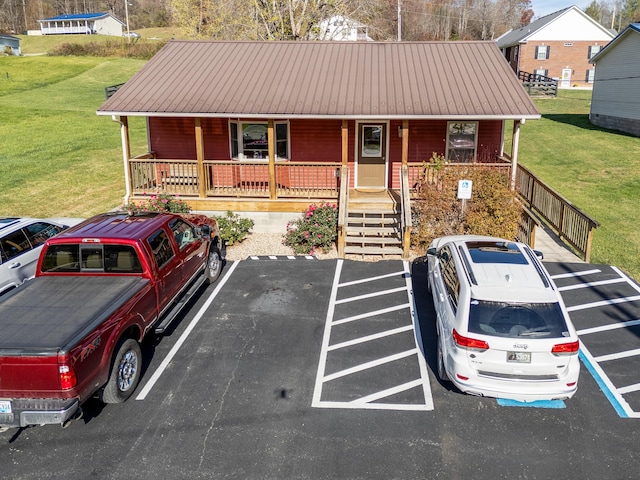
x=49 y=313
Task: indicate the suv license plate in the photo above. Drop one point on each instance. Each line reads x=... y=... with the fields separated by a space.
x=519 y=357
x=5 y=406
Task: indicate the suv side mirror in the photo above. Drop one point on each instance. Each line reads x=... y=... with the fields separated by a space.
x=539 y=254
x=432 y=251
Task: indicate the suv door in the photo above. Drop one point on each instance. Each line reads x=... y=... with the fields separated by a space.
x=18 y=260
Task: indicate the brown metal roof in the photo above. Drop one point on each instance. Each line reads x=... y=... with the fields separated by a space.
x=469 y=80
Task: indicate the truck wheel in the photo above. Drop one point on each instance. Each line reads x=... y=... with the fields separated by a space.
x=214 y=265
x=125 y=372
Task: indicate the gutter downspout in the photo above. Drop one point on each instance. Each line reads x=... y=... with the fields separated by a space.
x=126 y=154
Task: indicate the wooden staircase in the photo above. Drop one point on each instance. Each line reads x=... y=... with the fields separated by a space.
x=373 y=224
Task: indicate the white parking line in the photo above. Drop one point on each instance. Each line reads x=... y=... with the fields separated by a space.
x=371 y=401
x=604 y=303
x=156 y=375
x=575 y=274
x=617 y=355
x=371 y=295
x=591 y=284
x=611 y=326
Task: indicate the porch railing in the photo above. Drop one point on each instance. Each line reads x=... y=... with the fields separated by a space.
x=420 y=174
x=343 y=210
x=569 y=222
x=233 y=178
x=537 y=85
x=405 y=203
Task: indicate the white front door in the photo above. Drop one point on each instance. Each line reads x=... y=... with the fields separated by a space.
x=566 y=78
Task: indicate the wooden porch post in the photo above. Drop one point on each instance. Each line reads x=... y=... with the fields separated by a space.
x=515 y=140
x=345 y=142
x=271 y=139
x=202 y=191
x=405 y=142
x=126 y=155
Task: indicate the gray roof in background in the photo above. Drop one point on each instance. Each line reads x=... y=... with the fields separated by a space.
x=470 y=80
x=514 y=37
x=632 y=27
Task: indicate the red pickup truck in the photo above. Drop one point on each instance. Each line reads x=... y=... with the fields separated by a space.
x=100 y=288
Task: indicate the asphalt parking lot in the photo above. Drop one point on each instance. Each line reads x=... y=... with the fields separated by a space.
x=296 y=368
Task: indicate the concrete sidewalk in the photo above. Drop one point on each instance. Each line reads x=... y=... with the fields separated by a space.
x=554 y=249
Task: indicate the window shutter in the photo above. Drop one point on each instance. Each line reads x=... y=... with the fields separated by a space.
x=536 y=54
x=548 y=50
x=589 y=56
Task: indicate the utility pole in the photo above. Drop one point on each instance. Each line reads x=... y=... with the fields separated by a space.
x=24 y=14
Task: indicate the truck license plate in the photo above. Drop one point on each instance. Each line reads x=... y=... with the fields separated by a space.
x=519 y=357
x=5 y=406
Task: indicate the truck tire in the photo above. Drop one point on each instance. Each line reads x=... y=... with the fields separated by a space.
x=214 y=265
x=125 y=372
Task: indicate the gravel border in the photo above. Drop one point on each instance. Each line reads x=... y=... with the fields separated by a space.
x=265 y=244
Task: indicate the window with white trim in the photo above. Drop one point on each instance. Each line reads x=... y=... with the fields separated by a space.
x=591 y=75
x=541 y=71
x=542 y=52
x=462 y=140
x=249 y=140
x=593 y=49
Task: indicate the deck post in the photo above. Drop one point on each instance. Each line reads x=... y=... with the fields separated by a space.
x=126 y=156
x=514 y=151
x=202 y=192
x=273 y=186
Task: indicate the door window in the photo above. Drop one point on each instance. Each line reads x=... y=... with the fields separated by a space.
x=14 y=244
x=161 y=247
x=372 y=141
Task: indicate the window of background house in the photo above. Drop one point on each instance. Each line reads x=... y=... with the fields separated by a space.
x=462 y=140
x=249 y=140
x=541 y=71
x=593 y=49
x=591 y=75
x=542 y=52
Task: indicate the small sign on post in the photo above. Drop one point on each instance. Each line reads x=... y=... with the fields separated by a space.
x=464 y=192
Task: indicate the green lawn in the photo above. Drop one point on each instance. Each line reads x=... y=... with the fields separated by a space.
x=595 y=169
x=58 y=158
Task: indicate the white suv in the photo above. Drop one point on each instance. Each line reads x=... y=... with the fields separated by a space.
x=21 y=240
x=503 y=329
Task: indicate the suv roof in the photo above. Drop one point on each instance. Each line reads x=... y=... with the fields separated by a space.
x=504 y=270
x=10 y=223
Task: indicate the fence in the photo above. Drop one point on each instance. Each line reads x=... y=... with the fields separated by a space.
x=536 y=85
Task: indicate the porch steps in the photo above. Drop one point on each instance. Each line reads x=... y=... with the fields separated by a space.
x=373 y=230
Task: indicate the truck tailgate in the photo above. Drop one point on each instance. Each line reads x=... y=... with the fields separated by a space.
x=50 y=313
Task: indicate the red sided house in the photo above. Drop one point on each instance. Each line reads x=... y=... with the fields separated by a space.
x=559 y=45
x=267 y=128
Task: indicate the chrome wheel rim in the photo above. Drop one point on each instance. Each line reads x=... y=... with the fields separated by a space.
x=127 y=371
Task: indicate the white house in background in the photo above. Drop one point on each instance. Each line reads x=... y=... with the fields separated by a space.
x=558 y=45
x=9 y=42
x=615 y=100
x=343 y=29
x=103 y=23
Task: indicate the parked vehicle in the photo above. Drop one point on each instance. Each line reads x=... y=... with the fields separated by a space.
x=503 y=329
x=100 y=288
x=21 y=240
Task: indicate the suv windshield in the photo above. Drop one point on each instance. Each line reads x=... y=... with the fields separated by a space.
x=534 y=320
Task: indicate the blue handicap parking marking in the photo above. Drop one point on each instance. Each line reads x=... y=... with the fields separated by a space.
x=503 y=402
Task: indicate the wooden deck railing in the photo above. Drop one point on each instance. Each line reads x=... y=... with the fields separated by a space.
x=420 y=174
x=568 y=221
x=233 y=178
x=537 y=85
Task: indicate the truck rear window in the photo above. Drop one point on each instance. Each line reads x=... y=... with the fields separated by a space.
x=91 y=259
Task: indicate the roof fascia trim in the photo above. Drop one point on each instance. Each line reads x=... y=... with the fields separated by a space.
x=321 y=117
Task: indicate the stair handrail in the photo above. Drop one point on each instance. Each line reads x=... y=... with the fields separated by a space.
x=405 y=214
x=343 y=205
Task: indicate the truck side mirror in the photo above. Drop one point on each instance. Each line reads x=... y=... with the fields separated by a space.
x=432 y=251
